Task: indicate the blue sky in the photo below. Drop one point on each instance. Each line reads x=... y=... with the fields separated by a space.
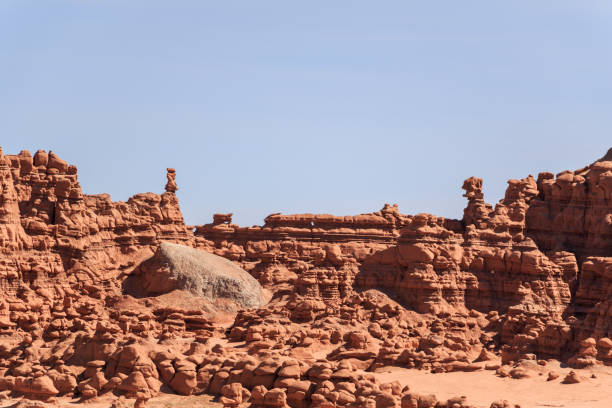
x=333 y=107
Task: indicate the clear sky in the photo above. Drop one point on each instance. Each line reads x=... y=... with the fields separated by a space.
x=313 y=106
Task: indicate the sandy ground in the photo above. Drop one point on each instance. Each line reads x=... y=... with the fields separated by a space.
x=483 y=387
x=178 y=401
x=162 y=401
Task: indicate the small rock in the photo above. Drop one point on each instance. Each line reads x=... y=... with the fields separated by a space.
x=572 y=378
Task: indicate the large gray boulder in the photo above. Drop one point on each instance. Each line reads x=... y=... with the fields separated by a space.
x=203 y=274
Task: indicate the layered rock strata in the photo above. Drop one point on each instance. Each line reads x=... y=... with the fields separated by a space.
x=538 y=258
x=315 y=254
x=527 y=279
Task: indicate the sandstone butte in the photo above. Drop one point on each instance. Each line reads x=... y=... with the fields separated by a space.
x=528 y=279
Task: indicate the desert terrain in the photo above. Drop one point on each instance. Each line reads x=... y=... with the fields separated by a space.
x=122 y=304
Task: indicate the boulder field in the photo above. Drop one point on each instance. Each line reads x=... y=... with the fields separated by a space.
x=104 y=299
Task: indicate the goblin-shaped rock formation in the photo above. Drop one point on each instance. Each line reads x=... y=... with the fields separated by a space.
x=103 y=298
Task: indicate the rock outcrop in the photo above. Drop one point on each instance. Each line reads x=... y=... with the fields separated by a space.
x=178 y=267
x=538 y=258
x=316 y=255
x=122 y=298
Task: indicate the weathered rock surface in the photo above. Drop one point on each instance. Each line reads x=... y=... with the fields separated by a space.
x=316 y=255
x=97 y=296
x=178 y=267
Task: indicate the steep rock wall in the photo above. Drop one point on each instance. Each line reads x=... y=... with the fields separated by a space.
x=317 y=254
x=46 y=212
x=539 y=255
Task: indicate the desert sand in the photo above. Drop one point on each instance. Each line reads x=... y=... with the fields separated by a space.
x=483 y=387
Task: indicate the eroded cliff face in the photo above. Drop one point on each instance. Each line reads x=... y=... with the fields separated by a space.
x=317 y=255
x=64 y=256
x=572 y=211
x=528 y=278
x=539 y=258
x=47 y=213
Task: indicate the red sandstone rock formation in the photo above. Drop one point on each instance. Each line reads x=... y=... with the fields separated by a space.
x=317 y=255
x=528 y=278
x=530 y=258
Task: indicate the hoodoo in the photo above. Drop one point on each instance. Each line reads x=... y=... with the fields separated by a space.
x=303 y=311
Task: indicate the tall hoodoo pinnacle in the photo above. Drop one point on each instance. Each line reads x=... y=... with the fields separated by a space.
x=171 y=186
x=477 y=209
